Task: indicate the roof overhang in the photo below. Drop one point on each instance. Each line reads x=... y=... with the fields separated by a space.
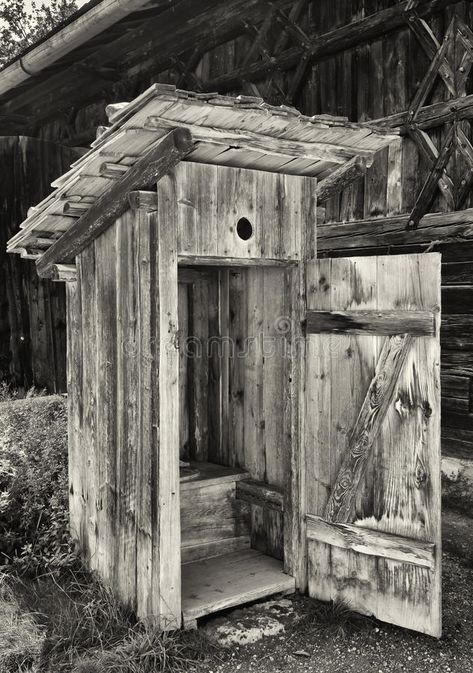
x=240 y=132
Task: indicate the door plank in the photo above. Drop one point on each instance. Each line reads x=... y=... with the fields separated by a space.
x=386 y=323
x=372 y=543
x=379 y=397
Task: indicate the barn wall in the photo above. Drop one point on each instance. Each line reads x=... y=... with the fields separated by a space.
x=32 y=311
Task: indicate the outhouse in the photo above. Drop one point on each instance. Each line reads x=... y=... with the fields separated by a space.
x=244 y=419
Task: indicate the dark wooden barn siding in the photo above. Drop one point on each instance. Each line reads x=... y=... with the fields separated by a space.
x=32 y=311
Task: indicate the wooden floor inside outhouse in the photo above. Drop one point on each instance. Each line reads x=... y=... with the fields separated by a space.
x=233 y=579
x=220 y=570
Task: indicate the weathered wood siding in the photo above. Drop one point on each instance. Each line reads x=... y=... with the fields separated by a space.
x=121 y=350
x=135 y=402
x=32 y=311
x=372 y=447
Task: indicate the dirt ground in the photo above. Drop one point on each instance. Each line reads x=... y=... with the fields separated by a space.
x=306 y=642
x=301 y=635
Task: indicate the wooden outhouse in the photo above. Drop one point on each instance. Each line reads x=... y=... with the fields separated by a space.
x=244 y=419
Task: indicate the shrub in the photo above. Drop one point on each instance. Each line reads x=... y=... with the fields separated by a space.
x=34 y=484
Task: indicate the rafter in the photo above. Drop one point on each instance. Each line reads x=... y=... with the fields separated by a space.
x=347 y=36
x=427 y=193
x=158 y=161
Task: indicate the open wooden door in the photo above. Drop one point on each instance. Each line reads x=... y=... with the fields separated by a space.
x=372 y=436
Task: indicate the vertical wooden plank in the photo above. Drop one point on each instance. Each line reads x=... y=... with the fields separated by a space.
x=197 y=208
x=215 y=361
x=147 y=437
x=292 y=426
x=276 y=327
x=106 y=318
x=353 y=358
x=224 y=449
x=394 y=186
x=317 y=391
x=183 y=311
x=167 y=556
x=295 y=542
x=270 y=196
x=376 y=179
x=127 y=419
x=77 y=512
x=255 y=459
x=237 y=198
x=86 y=262
x=238 y=389
x=199 y=371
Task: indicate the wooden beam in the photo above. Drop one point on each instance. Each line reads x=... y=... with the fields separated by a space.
x=341 y=178
x=110 y=170
x=384 y=323
x=430 y=116
x=371 y=542
x=159 y=160
x=251 y=141
x=339 y=508
x=430 y=153
x=258 y=493
x=432 y=72
x=350 y=35
x=65 y=273
x=427 y=193
x=75 y=208
x=143 y=200
x=430 y=44
x=209 y=260
x=376 y=232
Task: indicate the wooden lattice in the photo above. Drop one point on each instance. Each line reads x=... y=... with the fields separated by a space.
x=451 y=61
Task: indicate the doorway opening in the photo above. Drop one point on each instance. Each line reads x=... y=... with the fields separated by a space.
x=235 y=434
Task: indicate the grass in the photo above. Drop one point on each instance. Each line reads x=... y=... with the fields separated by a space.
x=20 y=637
x=336 y=618
x=88 y=631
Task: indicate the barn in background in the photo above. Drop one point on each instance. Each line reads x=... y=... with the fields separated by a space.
x=405 y=63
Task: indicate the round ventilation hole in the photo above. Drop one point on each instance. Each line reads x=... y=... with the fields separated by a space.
x=244 y=229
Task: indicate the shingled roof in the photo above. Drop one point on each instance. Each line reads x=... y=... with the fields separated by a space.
x=242 y=132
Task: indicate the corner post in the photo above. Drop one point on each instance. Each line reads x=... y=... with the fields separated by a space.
x=164 y=315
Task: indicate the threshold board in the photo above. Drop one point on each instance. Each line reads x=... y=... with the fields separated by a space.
x=232 y=579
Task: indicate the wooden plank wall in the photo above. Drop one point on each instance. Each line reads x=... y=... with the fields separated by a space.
x=234 y=387
x=114 y=361
x=212 y=199
x=32 y=311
